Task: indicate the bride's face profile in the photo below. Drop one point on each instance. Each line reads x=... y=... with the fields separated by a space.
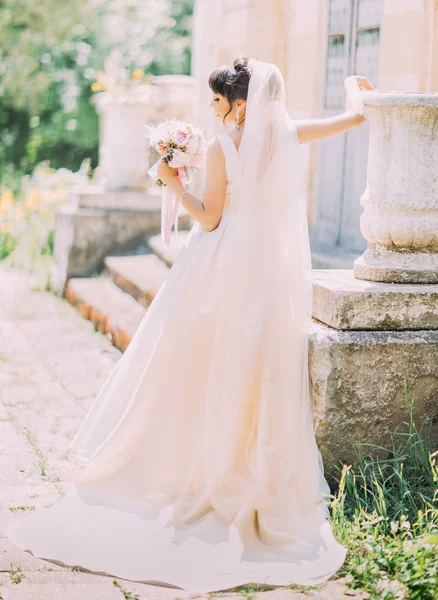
x=229 y=86
x=221 y=107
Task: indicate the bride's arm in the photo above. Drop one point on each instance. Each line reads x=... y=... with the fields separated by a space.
x=313 y=130
x=207 y=211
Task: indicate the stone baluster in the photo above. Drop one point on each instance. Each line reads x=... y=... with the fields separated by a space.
x=400 y=202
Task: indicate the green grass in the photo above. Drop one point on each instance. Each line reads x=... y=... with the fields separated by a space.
x=7 y=244
x=386 y=513
x=16 y=574
x=42 y=459
x=126 y=593
x=21 y=507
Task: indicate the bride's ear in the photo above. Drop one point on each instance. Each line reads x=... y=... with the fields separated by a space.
x=241 y=106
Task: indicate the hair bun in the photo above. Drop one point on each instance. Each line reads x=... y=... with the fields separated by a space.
x=240 y=64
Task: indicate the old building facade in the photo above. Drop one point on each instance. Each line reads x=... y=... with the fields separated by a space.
x=317 y=44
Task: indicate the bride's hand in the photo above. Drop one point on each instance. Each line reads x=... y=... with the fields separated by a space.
x=353 y=97
x=166 y=173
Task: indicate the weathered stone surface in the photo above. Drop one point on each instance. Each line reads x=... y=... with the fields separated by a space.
x=100 y=300
x=139 y=276
x=166 y=253
x=400 y=217
x=381 y=264
x=58 y=583
x=345 y=302
x=358 y=386
x=96 y=196
x=83 y=237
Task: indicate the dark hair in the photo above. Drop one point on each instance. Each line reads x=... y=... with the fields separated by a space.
x=231 y=81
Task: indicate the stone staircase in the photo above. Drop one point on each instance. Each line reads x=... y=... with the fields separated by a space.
x=116 y=301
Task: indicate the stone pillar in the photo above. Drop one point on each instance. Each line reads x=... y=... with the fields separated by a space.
x=116 y=212
x=400 y=217
x=176 y=97
x=123 y=149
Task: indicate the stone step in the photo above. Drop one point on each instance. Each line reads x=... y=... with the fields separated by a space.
x=140 y=276
x=322 y=257
x=112 y=311
x=342 y=301
x=166 y=253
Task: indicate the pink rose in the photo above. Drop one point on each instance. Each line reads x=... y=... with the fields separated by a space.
x=181 y=137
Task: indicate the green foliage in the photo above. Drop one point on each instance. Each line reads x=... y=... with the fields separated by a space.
x=50 y=55
x=45 y=50
x=127 y=594
x=386 y=513
x=27 y=221
x=16 y=573
x=172 y=43
x=7 y=244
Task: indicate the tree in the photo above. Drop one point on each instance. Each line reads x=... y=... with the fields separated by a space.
x=50 y=53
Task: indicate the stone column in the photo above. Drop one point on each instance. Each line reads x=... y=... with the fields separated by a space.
x=123 y=148
x=400 y=217
x=116 y=212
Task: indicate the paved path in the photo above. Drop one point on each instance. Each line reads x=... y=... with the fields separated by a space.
x=52 y=364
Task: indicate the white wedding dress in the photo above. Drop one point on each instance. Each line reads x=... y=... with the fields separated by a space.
x=200 y=472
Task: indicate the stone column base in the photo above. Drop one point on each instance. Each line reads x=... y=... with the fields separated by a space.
x=342 y=301
x=380 y=264
x=358 y=381
x=368 y=341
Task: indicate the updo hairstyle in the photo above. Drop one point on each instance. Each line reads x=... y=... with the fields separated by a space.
x=232 y=82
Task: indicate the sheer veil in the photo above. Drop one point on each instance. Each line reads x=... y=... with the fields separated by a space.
x=269 y=302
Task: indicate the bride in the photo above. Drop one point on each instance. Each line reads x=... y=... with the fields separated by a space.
x=200 y=469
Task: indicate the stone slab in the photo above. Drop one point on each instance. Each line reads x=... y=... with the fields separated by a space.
x=358 y=380
x=382 y=264
x=111 y=310
x=344 y=302
x=97 y=196
x=85 y=236
x=168 y=253
x=139 y=276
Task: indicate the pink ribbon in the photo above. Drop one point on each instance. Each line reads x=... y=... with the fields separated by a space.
x=170 y=207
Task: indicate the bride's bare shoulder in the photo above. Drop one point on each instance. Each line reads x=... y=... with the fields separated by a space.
x=214 y=150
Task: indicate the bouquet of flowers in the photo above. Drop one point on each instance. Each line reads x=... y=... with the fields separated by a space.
x=184 y=148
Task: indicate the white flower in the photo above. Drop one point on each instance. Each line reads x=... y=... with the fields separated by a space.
x=193 y=145
x=179 y=159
